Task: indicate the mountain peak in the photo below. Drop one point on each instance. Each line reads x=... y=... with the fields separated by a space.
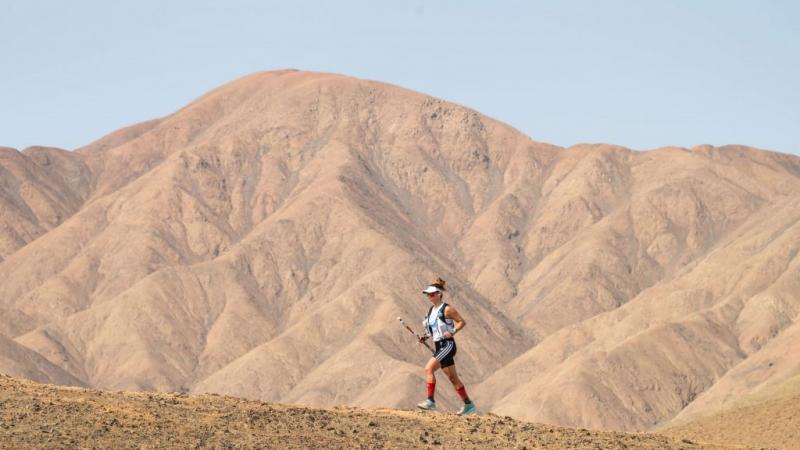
x=261 y=241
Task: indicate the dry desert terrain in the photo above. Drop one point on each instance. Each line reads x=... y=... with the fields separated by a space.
x=261 y=241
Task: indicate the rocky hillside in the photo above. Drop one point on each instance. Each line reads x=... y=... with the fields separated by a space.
x=42 y=416
x=768 y=418
x=261 y=242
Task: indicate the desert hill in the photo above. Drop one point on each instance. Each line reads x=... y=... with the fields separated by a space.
x=39 y=188
x=37 y=416
x=768 y=418
x=261 y=241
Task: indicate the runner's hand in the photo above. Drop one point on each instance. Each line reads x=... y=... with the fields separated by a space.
x=422 y=339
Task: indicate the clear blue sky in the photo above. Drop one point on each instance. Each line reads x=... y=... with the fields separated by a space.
x=642 y=74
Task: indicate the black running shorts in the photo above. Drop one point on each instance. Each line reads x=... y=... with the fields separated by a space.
x=445 y=351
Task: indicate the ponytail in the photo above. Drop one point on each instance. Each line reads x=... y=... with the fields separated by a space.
x=439 y=283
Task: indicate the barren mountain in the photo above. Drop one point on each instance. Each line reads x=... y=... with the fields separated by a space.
x=769 y=418
x=261 y=242
x=39 y=188
x=42 y=416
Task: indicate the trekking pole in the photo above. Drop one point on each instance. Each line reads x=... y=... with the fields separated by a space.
x=415 y=334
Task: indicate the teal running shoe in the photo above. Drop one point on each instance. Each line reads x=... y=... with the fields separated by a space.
x=427 y=405
x=467 y=409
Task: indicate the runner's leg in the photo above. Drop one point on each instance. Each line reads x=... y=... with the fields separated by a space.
x=432 y=366
x=452 y=374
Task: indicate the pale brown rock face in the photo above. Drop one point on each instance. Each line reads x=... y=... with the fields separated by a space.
x=261 y=242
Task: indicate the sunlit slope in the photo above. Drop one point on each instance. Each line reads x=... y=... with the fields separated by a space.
x=261 y=242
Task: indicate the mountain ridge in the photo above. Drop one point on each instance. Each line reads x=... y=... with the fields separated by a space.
x=275 y=228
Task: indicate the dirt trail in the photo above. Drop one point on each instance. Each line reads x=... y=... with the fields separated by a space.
x=45 y=416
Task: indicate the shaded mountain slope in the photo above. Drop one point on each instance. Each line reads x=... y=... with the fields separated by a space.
x=29 y=364
x=39 y=188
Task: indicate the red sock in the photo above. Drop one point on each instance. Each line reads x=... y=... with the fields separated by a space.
x=431 y=388
x=462 y=392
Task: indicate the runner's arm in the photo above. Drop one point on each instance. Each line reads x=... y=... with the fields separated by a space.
x=452 y=314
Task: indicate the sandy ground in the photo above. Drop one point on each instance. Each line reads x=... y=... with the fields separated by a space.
x=46 y=416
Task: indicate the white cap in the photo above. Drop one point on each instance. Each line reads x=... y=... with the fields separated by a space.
x=431 y=289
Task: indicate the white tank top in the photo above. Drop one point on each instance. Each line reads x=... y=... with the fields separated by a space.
x=437 y=327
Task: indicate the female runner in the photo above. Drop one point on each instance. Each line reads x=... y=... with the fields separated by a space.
x=442 y=323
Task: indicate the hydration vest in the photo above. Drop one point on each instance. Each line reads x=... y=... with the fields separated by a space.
x=443 y=325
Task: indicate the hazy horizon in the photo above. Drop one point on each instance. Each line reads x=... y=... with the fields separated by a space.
x=642 y=75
